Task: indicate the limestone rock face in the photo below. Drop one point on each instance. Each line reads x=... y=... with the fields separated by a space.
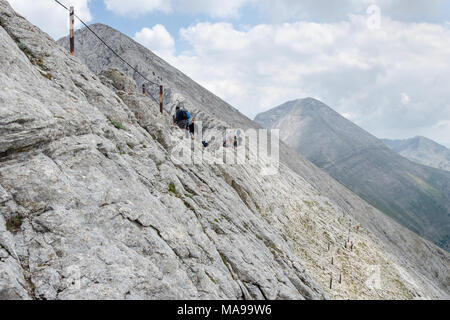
x=95 y=205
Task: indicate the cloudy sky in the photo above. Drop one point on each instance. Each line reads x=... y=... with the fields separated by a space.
x=384 y=64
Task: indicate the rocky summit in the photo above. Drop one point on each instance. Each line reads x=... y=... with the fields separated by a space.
x=94 y=204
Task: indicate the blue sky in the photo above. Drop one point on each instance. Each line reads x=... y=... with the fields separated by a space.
x=173 y=22
x=384 y=64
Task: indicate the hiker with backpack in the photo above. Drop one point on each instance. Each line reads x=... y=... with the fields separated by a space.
x=183 y=119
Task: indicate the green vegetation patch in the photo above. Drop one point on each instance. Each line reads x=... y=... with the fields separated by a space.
x=33 y=59
x=309 y=204
x=210 y=277
x=47 y=76
x=172 y=188
x=14 y=224
x=118 y=125
x=430 y=189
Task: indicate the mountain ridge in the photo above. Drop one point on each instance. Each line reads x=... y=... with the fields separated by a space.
x=356 y=158
x=422 y=150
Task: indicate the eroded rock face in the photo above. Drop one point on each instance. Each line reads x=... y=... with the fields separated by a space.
x=94 y=206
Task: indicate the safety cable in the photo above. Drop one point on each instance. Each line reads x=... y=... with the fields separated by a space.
x=112 y=50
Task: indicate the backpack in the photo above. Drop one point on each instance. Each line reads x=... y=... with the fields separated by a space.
x=184 y=115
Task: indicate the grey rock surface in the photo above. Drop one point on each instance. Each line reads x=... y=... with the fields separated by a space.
x=94 y=206
x=423 y=151
x=416 y=196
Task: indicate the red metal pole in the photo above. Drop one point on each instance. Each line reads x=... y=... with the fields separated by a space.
x=72 y=34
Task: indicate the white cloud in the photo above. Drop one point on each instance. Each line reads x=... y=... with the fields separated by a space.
x=326 y=10
x=158 y=40
x=280 y=10
x=137 y=7
x=405 y=99
x=50 y=16
x=220 y=9
x=443 y=123
x=134 y=8
x=358 y=71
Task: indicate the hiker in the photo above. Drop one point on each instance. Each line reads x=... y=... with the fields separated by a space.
x=183 y=119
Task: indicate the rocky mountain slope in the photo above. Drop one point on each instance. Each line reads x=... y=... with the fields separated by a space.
x=416 y=196
x=423 y=151
x=93 y=204
x=398 y=241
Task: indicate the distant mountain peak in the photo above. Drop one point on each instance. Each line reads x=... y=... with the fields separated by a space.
x=306 y=102
x=422 y=150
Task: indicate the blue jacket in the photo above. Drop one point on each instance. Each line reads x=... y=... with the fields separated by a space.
x=179 y=114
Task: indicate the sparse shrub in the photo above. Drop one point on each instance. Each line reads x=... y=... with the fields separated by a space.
x=33 y=59
x=40 y=63
x=172 y=188
x=210 y=277
x=120 y=151
x=14 y=224
x=309 y=204
x=47 y=75
x=118 y=125
x=227 y=218
x=25 y=49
